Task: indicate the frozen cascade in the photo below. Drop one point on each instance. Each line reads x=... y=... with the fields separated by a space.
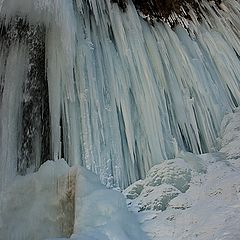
x=123 y=95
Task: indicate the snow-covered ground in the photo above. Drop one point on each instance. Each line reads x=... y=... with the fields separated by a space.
x=193 y=197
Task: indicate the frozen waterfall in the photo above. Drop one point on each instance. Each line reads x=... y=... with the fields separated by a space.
x=123 y=95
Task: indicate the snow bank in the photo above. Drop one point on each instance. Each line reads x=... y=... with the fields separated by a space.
x=30 y=206
x=101 y=213
x=59 y=201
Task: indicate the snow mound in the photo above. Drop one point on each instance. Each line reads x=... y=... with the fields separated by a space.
x=175 y=172
x=59 y=202
x=101 y=213
x=164 y=194
x=163 y=183
x=30 y=207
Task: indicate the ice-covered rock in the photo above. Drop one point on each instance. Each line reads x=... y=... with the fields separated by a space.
x=230 y=141
x=134 y=190
x=175 y=172
x=157 y=198
x=163 y=183
x=101 y=213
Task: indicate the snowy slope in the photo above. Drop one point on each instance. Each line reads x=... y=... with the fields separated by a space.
x=209 y=209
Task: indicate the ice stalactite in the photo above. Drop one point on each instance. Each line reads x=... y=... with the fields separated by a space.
x=123 y=94
x=144 y=87
x=11 y=99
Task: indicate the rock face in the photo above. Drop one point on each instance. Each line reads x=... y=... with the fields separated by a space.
x=34 y=119
x=157 y=10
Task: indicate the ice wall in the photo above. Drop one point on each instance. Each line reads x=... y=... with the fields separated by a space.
x=125 y=95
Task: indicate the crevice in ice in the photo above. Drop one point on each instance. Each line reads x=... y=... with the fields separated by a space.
x=35 y=116
x=234 y=100
x=62 y=137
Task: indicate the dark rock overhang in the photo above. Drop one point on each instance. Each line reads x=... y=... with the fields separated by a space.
x=161 y=10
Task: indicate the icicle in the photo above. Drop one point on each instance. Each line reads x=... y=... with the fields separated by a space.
x=10 y=111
